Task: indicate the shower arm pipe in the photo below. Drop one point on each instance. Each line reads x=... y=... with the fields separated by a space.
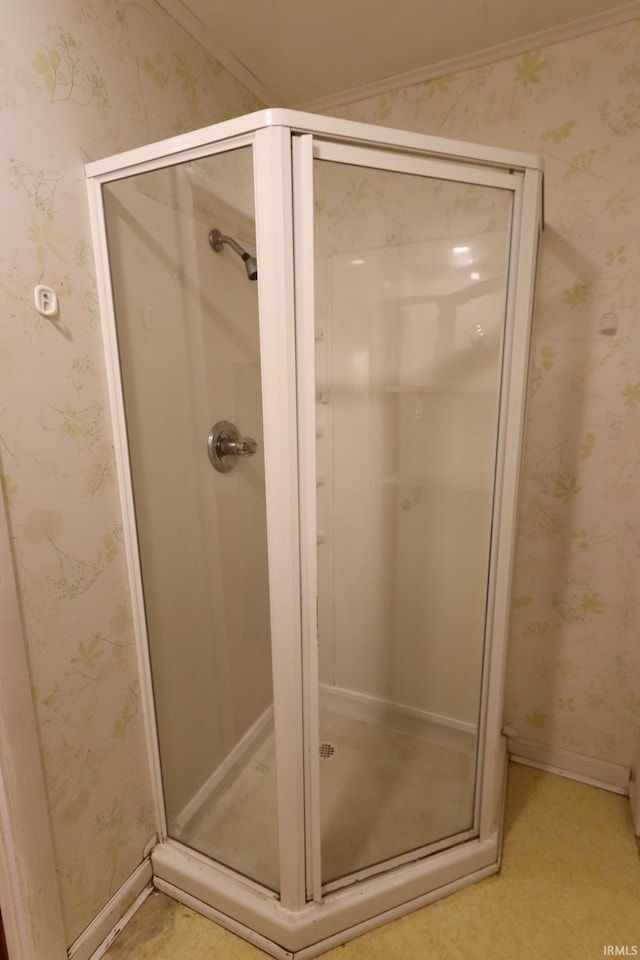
x=218 y=240
x=231 y=243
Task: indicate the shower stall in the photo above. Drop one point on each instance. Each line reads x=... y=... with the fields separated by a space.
x=316 y=335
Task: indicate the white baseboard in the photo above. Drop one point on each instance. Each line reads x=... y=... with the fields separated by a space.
x=232 y=764
x=94 y=942
x=397 y=716
x=634 y=800
x=597 y=773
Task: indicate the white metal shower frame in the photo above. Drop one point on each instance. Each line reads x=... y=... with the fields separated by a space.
x=285 y=144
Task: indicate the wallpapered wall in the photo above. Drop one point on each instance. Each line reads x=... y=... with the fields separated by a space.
x=79 y=80
x=574 y=665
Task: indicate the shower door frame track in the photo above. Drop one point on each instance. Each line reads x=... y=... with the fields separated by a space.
x=306 y=918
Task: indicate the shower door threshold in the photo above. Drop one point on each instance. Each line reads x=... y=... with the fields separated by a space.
x=255 y=914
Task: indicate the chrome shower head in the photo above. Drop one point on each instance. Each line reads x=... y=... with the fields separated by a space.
x=251 y=266
x=218 y=240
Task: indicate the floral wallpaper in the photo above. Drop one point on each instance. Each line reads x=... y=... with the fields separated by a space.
x=574 y=664
x=79 y=80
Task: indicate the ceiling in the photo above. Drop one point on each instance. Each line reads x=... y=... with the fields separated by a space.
x=308 y=53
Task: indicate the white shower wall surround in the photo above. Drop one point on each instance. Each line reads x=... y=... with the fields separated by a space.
x=322 y=625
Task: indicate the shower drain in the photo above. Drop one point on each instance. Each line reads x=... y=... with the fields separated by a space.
x=327 y=750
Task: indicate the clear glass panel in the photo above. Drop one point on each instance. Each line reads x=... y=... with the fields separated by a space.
x=187 y=321
x=410 y=305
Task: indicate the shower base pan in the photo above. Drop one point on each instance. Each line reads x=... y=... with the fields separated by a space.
x=420 y=796
x=253 y=913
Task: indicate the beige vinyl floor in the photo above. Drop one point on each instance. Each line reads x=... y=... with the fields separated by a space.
x=569 y=889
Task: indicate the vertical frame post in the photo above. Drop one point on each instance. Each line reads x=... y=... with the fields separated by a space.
x=302 y=154
x=274 y=235
x=125 y=488
x=522 y=272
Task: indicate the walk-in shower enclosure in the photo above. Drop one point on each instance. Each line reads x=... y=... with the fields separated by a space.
x=319 y=474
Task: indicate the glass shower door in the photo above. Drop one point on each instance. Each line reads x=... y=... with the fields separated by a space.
x=186 y=310
x=410 y=269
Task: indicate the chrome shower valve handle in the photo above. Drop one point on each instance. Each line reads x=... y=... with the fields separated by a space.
x=243 y=447
x=225 y=446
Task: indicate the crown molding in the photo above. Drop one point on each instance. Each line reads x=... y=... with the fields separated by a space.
x=194 y=26
x=481 y=58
